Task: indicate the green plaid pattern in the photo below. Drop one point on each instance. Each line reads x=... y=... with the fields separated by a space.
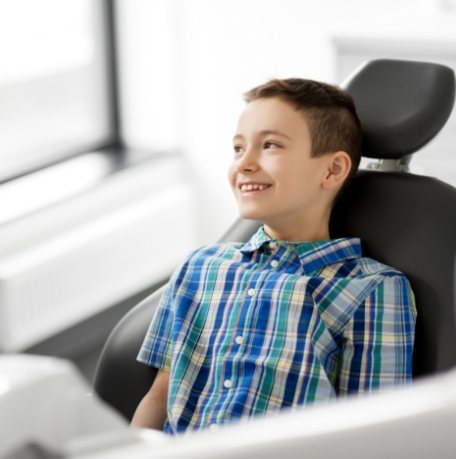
x=247 y=329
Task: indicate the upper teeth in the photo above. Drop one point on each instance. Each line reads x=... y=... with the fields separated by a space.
x=253 y=186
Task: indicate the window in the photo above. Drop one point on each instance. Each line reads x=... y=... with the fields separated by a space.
x=54 y=92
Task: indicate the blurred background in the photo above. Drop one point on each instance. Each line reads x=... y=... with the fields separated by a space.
x=116 y=120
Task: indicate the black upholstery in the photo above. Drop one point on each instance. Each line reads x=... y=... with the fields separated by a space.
x=404 y=220
x=119 y=379
x=402 y=105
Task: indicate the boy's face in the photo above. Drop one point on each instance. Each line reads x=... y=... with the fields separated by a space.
x=273 y=176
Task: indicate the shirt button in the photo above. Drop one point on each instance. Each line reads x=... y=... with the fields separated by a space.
x=227 y=383
x=274 y=263
x=251 y=292
x=239 y=339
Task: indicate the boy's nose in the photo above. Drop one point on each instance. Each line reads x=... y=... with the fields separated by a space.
x=248 y=162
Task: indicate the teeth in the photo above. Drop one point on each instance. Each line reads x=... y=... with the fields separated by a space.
x=253 y=187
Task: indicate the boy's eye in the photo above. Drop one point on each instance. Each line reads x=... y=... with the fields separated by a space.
x=237 y=149
x=268 y=145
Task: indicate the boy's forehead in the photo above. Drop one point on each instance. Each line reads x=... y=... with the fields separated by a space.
x=268 y=114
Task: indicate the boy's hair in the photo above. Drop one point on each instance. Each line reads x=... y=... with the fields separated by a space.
x=329 y=111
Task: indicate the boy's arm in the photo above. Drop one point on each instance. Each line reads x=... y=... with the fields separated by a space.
x=152 y=410
x=378 y=340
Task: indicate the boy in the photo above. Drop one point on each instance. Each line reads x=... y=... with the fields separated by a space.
x=291 y=317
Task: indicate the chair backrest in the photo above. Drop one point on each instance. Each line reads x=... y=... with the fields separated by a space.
x=403 y=220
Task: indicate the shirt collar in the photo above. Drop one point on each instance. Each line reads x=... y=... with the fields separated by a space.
x=312 y=255
x=259 y=239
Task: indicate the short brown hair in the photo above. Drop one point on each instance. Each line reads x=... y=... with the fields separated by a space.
x=329 y=111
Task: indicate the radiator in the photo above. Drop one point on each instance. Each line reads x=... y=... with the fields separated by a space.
x=74 y=259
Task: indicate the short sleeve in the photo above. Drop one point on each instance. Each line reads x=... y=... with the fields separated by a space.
x=378 y=341
x=156 y=349
x=157 y=346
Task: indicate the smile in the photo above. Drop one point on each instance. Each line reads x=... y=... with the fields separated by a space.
x=254 y=186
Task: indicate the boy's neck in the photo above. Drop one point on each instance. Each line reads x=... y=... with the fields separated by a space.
x=297 y=234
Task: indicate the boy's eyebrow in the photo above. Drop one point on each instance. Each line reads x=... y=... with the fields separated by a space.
x=274 y=132
x=266 y=132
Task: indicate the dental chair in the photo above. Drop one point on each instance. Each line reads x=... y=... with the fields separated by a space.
x=404 y=220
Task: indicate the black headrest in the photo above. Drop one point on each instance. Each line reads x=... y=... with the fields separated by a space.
x=402 y=105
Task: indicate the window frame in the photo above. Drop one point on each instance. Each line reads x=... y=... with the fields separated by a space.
x=111 y=144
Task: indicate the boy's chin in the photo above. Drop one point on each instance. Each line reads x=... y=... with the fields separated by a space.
x=256 y=216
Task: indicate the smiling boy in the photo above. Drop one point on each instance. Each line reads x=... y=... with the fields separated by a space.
x=291 y=317
x=275 y=177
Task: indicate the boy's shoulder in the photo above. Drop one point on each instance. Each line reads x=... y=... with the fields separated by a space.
x=361 y=267
x=367 y=267
x=217 y=249
x=220 y=251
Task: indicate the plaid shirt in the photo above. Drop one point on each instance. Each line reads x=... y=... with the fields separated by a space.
x=247 y=329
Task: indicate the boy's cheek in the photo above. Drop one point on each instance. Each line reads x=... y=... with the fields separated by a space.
x=231 y=178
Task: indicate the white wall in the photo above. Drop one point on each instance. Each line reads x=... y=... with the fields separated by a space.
x=185 y=64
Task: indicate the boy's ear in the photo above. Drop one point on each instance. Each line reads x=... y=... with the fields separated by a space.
x=339 y=166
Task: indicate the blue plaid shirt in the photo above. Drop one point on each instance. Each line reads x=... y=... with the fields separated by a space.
x=246 y=329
